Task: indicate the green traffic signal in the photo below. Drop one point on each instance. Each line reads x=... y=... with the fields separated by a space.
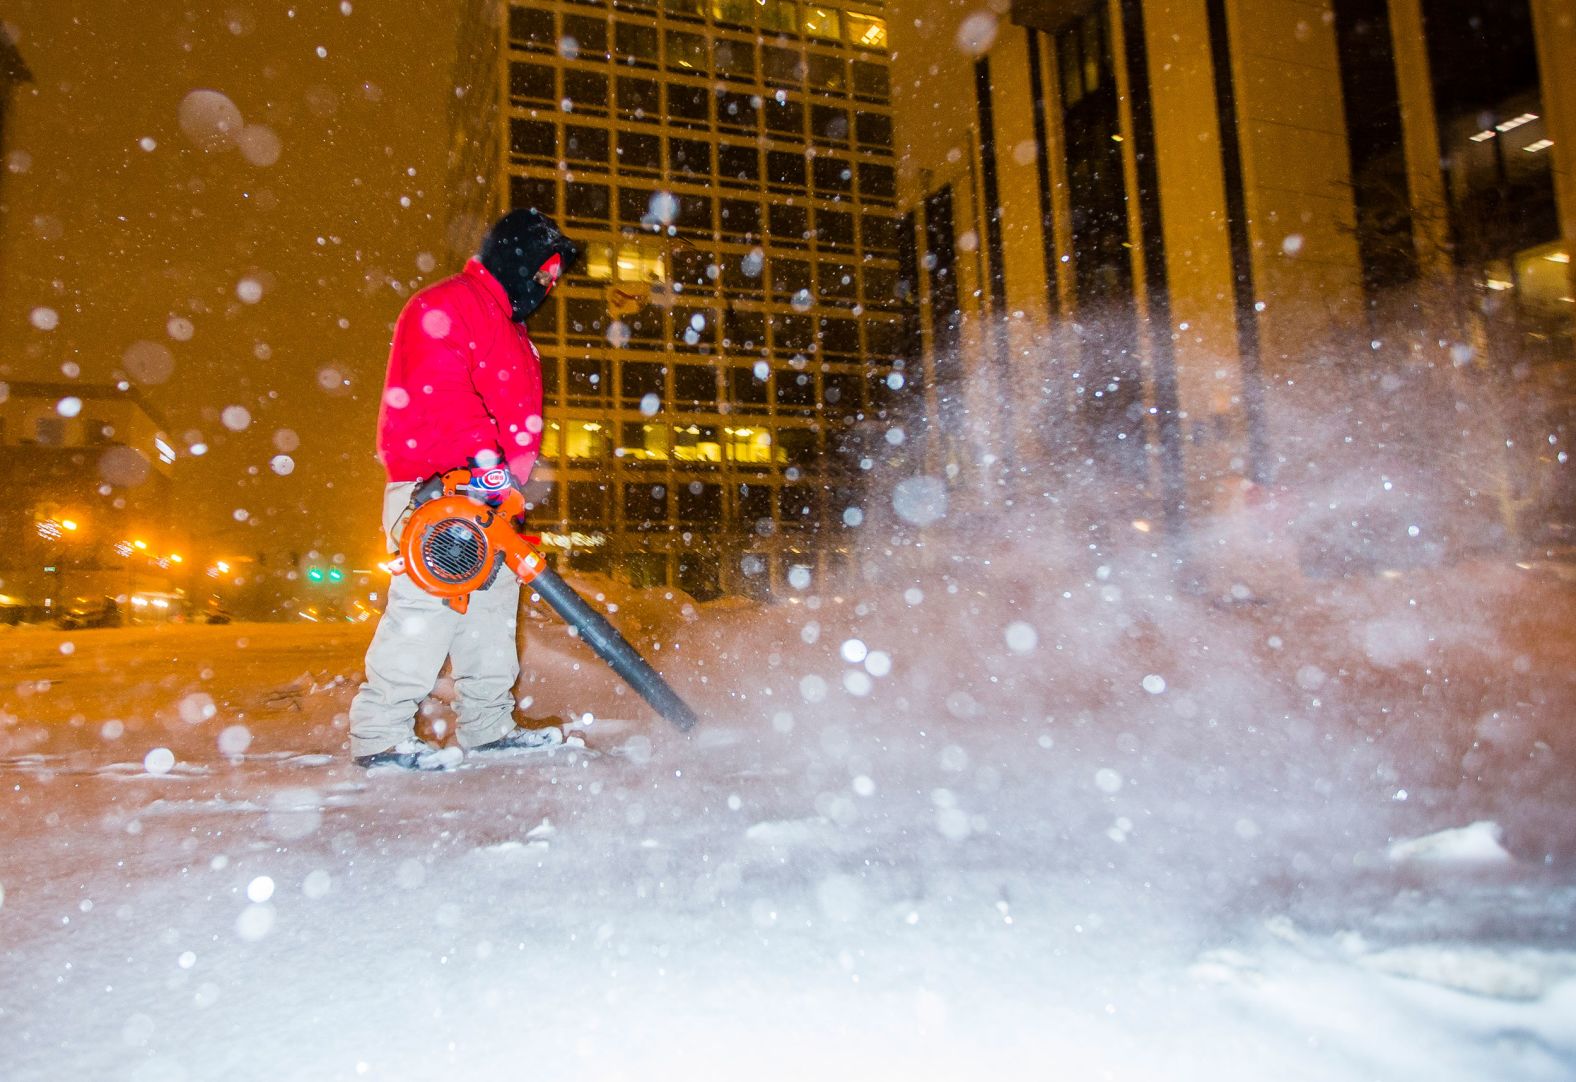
x=315 y=574
x=335 y=575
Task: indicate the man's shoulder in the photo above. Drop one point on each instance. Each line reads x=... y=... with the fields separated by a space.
x=456 y=289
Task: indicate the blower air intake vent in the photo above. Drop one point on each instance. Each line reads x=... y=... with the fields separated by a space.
x=455 y=550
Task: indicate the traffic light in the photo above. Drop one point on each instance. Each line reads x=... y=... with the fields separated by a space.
x=335 y=575
x=314 y=574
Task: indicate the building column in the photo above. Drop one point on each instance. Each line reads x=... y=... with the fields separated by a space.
x=1554 y=26
x=1425 y=180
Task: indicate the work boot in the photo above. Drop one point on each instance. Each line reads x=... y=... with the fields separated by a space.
x=522 y=739
x=408 y=754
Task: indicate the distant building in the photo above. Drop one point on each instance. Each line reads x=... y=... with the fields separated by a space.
x=718 y=366
x=85 y=469
x=1134 y=216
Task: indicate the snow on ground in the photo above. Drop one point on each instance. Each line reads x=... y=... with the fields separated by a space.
x=950 y=820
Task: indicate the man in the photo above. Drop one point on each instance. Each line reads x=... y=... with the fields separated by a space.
x=464 y=387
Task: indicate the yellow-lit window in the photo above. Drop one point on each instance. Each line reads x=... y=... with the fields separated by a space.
x=641 y=263
x=648 y=443
x=586 y=440
x=696 y=443
x=599 y=262
x=825 y=23
x=779 y=15
x=552 y=440
x=749 y=445
x=867 y=31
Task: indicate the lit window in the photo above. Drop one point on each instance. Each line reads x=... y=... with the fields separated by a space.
x=867 y=31
x=599 y=262
x=825 y=23
x=749 y=445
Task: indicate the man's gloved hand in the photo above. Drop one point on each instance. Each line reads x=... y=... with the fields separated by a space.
x=491 y=485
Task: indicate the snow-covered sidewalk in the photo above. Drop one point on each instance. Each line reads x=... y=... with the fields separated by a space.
x=1095 y=831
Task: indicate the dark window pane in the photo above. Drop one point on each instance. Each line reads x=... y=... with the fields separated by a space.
x=689 y=104
x=798 y=445
x=746 y=391
x=694 y=214
x=691 y=268
x=837 y=280
x=587 y=202
x=841 y=390
x=795 y=390
x=534 y=192
x=790 y=276
x=635 y=42
x=872 y=80
x=832 y=174
x=584 y=319
x=633 y=204
x=586 y=145
x=795 y=503
x=645 y=504
x=586 y=90
x=829 y=125
x=879 y=233
x=755 y=503
x=689 y=156
x=745 y=330
x=782 y=67
x=700 y=503
x=695 y=384
x=792 y=334
x=734 y=59
x=740 y=219
x=877 y=181
x=588 y=504
x=531 y=82
x=587 y=37
x=637 y=150
x=880 y=284
x=827 y=73
x=874 y=130
x=735 y=111
x=587 y=377
x=544 y=324
x=789 y=224
x=787 y=168
x=533 y=138
x=839 y=336
x=638 y=98
x=834 y=229
x=785 y=118
x=532 y=27
x=738 y=163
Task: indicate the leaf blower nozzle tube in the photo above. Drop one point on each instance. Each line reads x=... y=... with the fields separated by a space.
x=460 y=535
x=612 y=648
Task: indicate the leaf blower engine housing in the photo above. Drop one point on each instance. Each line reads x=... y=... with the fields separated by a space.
x=460 y=534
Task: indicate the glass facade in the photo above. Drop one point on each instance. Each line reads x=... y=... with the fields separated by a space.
x=734 y=328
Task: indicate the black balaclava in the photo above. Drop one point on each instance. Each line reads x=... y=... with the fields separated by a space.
x=520 y=244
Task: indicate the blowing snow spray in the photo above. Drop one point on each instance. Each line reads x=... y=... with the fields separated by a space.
x=460 y=536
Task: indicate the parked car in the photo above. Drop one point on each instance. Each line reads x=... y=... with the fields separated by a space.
x=85 y=612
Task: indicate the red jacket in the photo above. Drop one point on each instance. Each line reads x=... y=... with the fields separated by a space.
x=464 y=381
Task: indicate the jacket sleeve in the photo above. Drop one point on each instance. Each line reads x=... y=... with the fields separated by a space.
x=507 y=373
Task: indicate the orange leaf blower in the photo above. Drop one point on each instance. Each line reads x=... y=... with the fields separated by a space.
x=460 y=535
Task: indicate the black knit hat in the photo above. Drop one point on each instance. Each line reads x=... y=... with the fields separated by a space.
x=516 y=247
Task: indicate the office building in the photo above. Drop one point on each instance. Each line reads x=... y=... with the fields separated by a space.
x=718 y=366
x=1138 y=218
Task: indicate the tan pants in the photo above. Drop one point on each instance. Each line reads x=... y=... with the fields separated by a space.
x=415 y=635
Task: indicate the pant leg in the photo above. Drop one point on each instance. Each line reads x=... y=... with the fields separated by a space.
x=408 y=649
x=486 y=664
